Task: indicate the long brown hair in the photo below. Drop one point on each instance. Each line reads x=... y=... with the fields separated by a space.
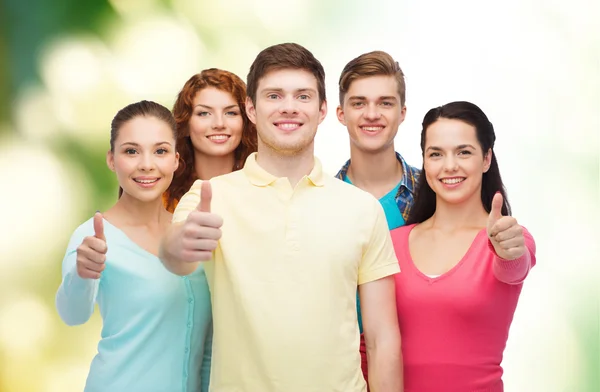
x=491 y=182
x=182 y=110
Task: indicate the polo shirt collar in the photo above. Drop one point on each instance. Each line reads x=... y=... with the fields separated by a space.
x=260 y=177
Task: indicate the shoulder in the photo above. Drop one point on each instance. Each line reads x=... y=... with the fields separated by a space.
x=87 y=229
x=348 y=195
x=402 y=232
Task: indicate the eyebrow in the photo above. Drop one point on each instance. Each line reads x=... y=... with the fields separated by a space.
x=280 y=90
x=459 y=147
x=138 y=145
x=362 y=98
x=225 y=108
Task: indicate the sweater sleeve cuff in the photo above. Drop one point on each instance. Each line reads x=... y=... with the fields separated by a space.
x=510 y=271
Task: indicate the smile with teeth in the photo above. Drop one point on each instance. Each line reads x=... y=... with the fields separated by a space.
x=452 y=181
x=145 y=181
x=372 y=129
x=287 y=126
x=218 y=137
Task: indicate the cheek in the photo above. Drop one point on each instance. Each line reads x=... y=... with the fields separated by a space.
x=167 y=165
x=431 y=172
x=197 y=127
x=124 y=167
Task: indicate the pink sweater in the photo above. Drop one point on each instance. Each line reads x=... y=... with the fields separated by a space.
x=454 y=327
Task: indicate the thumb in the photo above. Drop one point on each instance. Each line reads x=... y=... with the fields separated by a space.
x=99 y=226
x=496 y=211
x=205 y=196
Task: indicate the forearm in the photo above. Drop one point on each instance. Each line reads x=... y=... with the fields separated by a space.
x=75 y=298
x=167 y=256
x=385 y=364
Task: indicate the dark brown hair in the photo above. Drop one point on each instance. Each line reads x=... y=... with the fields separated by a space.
x=425 y=202
x=372 y=64
x=139 y=109
x=285 y=56
x=182 y=110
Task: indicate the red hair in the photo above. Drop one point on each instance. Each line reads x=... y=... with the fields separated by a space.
x=182 y=111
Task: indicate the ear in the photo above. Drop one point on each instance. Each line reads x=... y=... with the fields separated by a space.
x=110 y=160
x=402 y=114
x=176 y=162
x=487 y=160
x=340 y=115
x=251 y=110
x=322 y=112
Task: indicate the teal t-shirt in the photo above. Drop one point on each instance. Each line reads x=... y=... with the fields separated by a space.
x=394 y=220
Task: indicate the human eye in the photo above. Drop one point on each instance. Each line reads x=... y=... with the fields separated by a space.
x=130 y=151
x=162 y=151
x=304 y=97
x=357 y=104
x=434 y=155
x=387 y=103
x=464 y=152
x=272 y=96
x=203 y=113
x=232 y=113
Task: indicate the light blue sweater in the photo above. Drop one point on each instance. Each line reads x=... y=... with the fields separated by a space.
x=157 y=327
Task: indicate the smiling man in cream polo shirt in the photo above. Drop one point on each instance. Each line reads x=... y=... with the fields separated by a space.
x=285 y=246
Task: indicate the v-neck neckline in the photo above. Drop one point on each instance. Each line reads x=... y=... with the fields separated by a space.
x=451 y=271
x=135 y=244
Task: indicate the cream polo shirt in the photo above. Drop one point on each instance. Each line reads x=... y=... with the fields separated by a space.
x=283 y=279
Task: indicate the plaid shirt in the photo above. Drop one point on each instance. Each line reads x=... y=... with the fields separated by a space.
x=406 y=190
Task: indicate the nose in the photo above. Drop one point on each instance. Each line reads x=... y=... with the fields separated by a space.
x=450 y=163
x=372 y=113
x=146 y=162
x=288 y=105
x=218 y=122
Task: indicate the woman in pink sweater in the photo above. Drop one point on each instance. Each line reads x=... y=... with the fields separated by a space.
x=463 y=259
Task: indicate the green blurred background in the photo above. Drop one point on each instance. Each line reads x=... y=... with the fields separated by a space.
x=67 y=66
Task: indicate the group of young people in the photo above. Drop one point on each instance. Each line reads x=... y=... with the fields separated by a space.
x=232 y=262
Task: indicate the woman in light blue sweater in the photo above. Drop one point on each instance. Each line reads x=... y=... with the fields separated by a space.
x=157 y=327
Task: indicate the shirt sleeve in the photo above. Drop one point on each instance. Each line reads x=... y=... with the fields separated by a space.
x=515 y=271
x=379 y=259
x=76 y=296
x=188 y=203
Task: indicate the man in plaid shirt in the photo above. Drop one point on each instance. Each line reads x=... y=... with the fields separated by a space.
x=372 y=107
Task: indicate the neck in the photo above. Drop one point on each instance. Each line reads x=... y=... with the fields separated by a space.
x=294 y=167
x=207 y=167
x=452 y=217
x=132 y=212
x=376 y=172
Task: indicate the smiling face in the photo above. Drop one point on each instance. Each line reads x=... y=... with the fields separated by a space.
x=454 y=162
x=216 y=123
x=372 y=112
x=144 y=157
x=287 y=112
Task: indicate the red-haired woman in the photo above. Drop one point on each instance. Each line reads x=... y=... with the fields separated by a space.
x=215 y=135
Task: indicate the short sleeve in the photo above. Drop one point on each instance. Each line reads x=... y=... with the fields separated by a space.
x=188 y=203
x=379 y=259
